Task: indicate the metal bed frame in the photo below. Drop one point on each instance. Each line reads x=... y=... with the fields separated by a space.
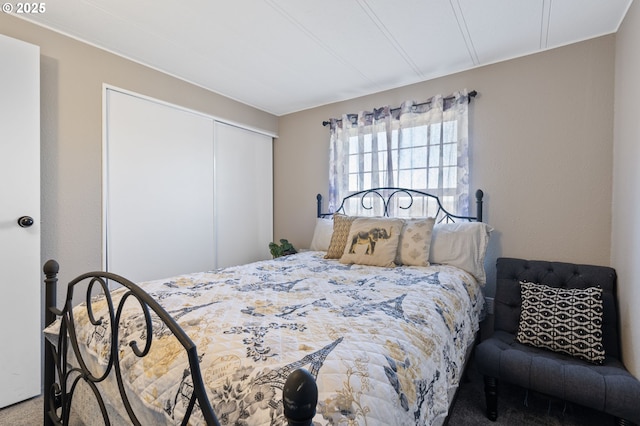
x=60 y=394
x=300 y=392
x=388 y=196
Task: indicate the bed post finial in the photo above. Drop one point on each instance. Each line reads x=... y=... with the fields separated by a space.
x=300 y=397
x=319 y=205
x=50 y=269
x=479 y=196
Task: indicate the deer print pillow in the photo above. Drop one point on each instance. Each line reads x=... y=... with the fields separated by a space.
x=373 y=241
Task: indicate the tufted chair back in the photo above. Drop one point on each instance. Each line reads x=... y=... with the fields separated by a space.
x=555 y=274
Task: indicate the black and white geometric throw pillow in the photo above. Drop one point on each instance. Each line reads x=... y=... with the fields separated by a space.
x=562 y=320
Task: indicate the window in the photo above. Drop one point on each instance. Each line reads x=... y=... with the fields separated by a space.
x=417 y=146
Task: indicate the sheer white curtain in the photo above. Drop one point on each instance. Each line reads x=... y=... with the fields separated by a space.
x=422 y=146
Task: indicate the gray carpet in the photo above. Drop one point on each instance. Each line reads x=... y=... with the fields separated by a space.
x=516 y=406
x=467 y=411
x=26 y=413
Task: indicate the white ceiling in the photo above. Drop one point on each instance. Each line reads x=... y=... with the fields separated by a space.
x=283 y=56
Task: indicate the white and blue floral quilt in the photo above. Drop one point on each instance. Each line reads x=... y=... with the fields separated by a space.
x=386 y=345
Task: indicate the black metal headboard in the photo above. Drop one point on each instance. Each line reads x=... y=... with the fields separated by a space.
x=404 y=199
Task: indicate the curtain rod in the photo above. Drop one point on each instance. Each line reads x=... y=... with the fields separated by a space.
x=471 y=94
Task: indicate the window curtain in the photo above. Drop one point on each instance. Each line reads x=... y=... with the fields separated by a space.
x=421 y=146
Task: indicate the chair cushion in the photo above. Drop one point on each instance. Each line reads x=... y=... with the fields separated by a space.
x=608 y=387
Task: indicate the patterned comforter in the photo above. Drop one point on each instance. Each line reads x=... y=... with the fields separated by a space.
x=386 y=345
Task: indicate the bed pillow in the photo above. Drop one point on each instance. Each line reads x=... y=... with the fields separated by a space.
x=415 y=242
x=563 y=320
x=461 y=244
x=372 y=241
x=322 y=234
x=341 y=226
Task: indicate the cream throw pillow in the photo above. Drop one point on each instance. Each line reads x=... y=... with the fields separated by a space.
x=372 y=241
x=415 y=241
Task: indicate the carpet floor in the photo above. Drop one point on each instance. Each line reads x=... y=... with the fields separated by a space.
x=515 y=407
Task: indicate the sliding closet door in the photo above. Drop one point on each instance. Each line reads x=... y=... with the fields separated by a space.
x=158 y=189
x=243 y=195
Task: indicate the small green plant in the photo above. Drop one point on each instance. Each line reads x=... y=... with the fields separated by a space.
x=283 y=249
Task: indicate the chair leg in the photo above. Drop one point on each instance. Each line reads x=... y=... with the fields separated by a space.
x=491 y=396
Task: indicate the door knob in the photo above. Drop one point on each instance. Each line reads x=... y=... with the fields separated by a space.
x=25 y=221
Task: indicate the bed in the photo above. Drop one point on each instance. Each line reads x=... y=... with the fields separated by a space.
x=326 y=336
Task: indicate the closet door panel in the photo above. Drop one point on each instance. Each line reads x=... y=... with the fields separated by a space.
x=158 y=189
x=243 y=195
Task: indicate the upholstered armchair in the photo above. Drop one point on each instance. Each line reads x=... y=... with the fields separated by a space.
x=584 y=365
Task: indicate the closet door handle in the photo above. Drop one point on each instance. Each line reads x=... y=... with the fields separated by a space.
x=25 y=221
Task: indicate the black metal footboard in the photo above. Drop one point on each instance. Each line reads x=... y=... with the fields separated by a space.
x=61 y=380
x=300 y=393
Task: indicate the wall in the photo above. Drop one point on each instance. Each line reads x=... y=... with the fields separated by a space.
x=625 y=245
x=541 y=132
x=72 y=77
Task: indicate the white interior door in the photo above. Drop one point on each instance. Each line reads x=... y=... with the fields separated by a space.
x=243 y=195
x=20 y=302
x=158 y=189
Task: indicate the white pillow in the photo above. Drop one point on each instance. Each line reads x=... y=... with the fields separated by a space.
x=461 y=244
x=415 y=241
x=322 y=234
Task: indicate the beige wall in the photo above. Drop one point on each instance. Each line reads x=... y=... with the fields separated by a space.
x=626 y=185
x=72 y=77
x=541 y=132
